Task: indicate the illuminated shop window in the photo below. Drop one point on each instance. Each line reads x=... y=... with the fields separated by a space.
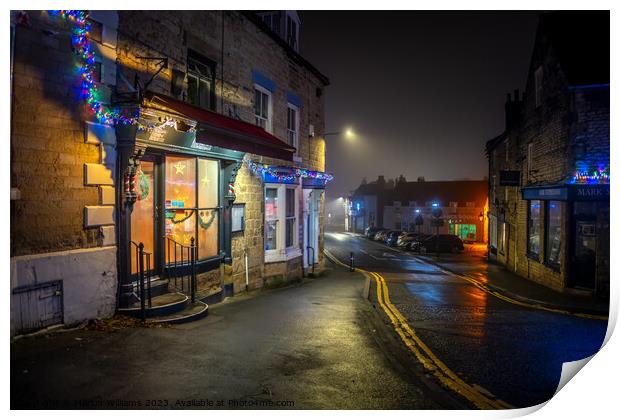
x=553 y=234
x=191 y=206
x=533 y=228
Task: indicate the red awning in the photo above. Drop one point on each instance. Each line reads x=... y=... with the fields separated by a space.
x=217 y=130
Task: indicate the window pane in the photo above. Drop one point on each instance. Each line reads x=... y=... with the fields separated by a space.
x=192 y=90
x=271 y=203
x=271 y=234
x=534 y=228
x=181 y=227
x=207 y=233
x=290 y=232
x=207 y=183
x=257 y=100
x=554 y=215
x=142 y=213
x=290 y=202
x=204 y=93
x=180 y=182
x=265 y=105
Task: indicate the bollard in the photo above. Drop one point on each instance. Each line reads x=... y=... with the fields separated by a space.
x=351 y=263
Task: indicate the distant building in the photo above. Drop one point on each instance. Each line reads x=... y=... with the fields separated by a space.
x=549 y=169
x=396 y=206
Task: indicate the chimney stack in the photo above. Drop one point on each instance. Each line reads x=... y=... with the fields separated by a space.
x=513 y=109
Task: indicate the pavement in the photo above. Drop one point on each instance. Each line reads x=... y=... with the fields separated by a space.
x=318 y=344
x=473 y=262
x=509 y=351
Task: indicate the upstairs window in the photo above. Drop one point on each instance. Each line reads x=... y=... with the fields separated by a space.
x=262 y=107
x=200 y=81
x=292 y=127
x=291 y=32
x=96 y=31
x=538 y=80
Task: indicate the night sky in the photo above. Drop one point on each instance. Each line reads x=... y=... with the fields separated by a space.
x=424 y=90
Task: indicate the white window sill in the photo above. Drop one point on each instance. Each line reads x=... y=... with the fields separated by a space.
x=278 y=255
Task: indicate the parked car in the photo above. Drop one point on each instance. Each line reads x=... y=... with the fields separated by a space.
x=371 y=231
x=380 y=235
x=438 y=243
x=405 y=239
x=392 y=236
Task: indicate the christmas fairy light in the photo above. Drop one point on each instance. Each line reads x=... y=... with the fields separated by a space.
x=276 y=172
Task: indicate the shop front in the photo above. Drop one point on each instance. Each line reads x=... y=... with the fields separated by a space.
x=178 y=191
x=568 y=231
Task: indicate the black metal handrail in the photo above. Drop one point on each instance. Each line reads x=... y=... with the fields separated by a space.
x=183 y=267
x=143 y=272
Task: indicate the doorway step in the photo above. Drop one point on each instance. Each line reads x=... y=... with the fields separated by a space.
x=171 y=308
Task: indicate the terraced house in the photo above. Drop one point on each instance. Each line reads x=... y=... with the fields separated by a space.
x=549 y=170
x=160 y=161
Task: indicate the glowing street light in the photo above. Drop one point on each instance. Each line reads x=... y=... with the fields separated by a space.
x=348 y=133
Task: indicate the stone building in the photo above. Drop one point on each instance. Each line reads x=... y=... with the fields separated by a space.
x=397 y=205
x=549 y=169
x=194 y=133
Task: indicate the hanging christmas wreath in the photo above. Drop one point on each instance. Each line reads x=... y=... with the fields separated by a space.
x=206 y=225
x=143 y=184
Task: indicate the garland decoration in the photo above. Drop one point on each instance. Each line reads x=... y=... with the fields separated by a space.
x=188 y=214
x=143 y=185
x=593 y=177
x=275 y=172
x=86 y=68
x=206 y=225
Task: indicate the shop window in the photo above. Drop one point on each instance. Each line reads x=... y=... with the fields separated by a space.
x=553 y=225
x=200 y=81
x=292 y=127
x=290 y=217
x=281 y=223
x=262 y=107
x=533 y=229
x=191 y=204
x=271 y=218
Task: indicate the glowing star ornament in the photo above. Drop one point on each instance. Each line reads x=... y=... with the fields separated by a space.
x=179 y=167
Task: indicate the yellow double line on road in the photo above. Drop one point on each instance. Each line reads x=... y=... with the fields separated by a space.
x=501 y=296
x=421 y=351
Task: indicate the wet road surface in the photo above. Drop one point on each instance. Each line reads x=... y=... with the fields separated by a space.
x=319 y=344
x=515 y=353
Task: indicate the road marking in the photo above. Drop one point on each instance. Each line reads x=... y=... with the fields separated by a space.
x=499 y=295
x=421 y=351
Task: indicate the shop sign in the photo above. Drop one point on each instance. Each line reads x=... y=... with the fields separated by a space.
x=589 y=192
x=509 y=178
x=557 y=193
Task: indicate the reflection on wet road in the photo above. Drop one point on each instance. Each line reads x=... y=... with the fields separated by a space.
x=514 y=352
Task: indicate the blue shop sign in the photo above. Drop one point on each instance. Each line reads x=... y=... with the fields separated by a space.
x=572 y=192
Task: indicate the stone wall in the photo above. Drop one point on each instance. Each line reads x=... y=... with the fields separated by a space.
x=62 y=168
x=568 y=131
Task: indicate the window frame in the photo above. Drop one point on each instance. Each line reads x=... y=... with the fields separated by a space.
x=295 y=131
x=211 y=65
x=196 y=208
x=552 y=264
x=538 y=82
x=531 y=254
x=268 y=121
x=282 y=252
